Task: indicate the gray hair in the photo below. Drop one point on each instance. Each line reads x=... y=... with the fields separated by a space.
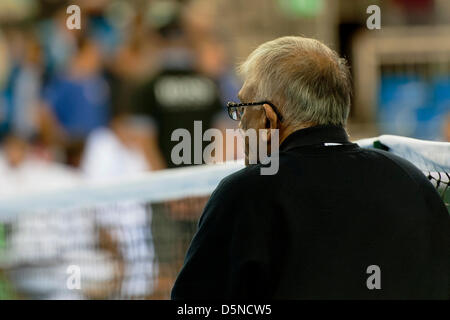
x=308 y=79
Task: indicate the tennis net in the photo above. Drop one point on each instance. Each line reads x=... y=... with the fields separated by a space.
x=120 y=239
x=433 y=158
x=126 y=239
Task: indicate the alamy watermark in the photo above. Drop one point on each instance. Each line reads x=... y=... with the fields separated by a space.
x=374 y=20
x=73 y=281
x=74 y=20
x=256 y=141
x=374 y=280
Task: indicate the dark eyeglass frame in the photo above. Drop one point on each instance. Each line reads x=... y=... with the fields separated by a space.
x=233 y=107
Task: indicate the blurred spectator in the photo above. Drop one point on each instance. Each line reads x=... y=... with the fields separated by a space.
x=110 y=153
x=34 y=239
x=179 y=93
x=115 y=152
x=22 y=172
x=79 y=98
x=100 y=29
x=58 y=42
x=200 y=21
x=119 y=150
x=212 y=61
x=77 y=101
x=26 y=87
x=16 y=48
x=133 y=63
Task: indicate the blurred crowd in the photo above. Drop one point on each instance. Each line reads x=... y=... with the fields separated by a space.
x=98 y=103
x=104 y=100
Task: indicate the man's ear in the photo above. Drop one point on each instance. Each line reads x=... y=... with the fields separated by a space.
x=271 y=119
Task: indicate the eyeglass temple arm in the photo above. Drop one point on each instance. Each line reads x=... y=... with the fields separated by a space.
x=234 y=104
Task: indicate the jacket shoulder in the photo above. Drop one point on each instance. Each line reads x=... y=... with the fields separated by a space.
x=246 y=183
x=404 y=165
x=246 y=177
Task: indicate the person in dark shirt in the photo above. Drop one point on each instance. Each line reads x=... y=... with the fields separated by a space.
x=336 y=221
x=178 y=94
x=177 y=97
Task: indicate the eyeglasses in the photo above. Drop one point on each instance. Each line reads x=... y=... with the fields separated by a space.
x=236 y=110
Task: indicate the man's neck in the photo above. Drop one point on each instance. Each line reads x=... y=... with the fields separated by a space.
x=286 y=132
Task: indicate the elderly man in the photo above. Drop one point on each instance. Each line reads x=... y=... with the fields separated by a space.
x=336 y=221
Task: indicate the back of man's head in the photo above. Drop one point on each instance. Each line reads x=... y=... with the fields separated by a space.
x=308 y=80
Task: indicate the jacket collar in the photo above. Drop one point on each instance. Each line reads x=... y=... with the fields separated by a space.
x=317 y=135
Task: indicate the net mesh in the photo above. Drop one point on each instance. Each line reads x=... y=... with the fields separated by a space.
x=127 y=239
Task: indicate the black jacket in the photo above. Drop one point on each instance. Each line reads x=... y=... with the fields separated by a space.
x=312 y=230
